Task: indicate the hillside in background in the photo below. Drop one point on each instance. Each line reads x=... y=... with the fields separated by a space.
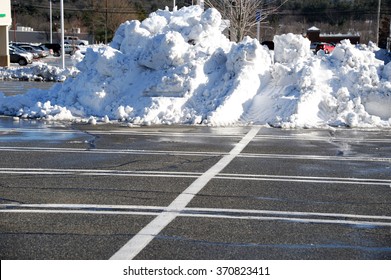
x=332 y=16
x=91 y=16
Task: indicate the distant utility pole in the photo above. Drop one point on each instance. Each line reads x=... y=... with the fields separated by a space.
x=389 y=39
x=93 y=21
x=201 y=3
x=378 y=22
x=258 y=19
x=106 y=25
x=62 y=34
x=14 y=20
x=51 y=21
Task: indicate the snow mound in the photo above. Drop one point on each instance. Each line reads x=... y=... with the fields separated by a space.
x=178 y=67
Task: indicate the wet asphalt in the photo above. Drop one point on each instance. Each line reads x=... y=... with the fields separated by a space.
x=79 y=191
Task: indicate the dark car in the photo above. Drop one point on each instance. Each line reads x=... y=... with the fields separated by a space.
x=55 y=47
x=15 y=48
x=269 y=44
x=18 y=57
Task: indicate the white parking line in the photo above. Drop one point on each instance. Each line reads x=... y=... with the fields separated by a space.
x=193 y=153
x=304 y=179
x=315 y=157
x=126 y=132
x=172 y=174
x=227 y=134
x=335 y=139
x=97 y=172
x=148 y=233
x=108 y=151
x=213 y=213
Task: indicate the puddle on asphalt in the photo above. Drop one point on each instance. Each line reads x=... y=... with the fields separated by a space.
x=10 y=88
x=21 y=130
x=18 y=130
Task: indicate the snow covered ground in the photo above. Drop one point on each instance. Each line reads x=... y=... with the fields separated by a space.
x=38 y=71
x=176 y=67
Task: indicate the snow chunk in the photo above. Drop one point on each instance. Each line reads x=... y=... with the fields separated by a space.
x=290 y=48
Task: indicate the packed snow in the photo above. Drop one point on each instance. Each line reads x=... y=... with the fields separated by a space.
x=38 y=71
x=177 y=67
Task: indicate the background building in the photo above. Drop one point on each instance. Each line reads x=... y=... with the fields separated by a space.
x=314 y=35
x=5 y=21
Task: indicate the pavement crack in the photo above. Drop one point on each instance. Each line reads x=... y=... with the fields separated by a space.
x=2 y=199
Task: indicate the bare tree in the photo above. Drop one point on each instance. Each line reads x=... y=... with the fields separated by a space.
x=108 y=15
x=244 y=14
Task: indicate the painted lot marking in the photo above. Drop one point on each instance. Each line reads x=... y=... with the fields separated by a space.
x=148 y=233
x=304 y=179
x=214 y=213
x=126 y=132
x=331 y=139
x=191 y=153
x=225 y=176
x=109 y=151
x=227 y=134
x=222 y=176
x=315 y=157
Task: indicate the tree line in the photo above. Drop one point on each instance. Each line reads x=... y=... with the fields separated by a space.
x=102 y=17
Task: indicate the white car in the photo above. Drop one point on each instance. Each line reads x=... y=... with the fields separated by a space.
x=72 y=40
x=70 y=49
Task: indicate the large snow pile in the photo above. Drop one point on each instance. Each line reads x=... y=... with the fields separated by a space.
x=178 y=67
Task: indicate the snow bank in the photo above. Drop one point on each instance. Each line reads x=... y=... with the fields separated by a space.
x=38 y=72
x=177 y=67
x=350 y=87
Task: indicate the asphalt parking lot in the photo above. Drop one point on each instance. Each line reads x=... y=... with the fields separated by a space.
x=76 y=191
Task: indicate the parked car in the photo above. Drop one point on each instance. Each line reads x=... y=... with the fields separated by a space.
x=70 y=49
x=45 y=50
x=72 y=40
x=28 y=49
x=37 y=53
x=326 y=47
x=269 y=44
x=56 y=48
x=314 y=45
x=18 y=57
x=22 y=51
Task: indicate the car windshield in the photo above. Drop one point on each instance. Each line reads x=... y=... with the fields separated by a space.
x=32 y=48
x=18 y=49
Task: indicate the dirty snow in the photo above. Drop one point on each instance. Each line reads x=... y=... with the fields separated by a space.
x=39 y=72
x=176 y=67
